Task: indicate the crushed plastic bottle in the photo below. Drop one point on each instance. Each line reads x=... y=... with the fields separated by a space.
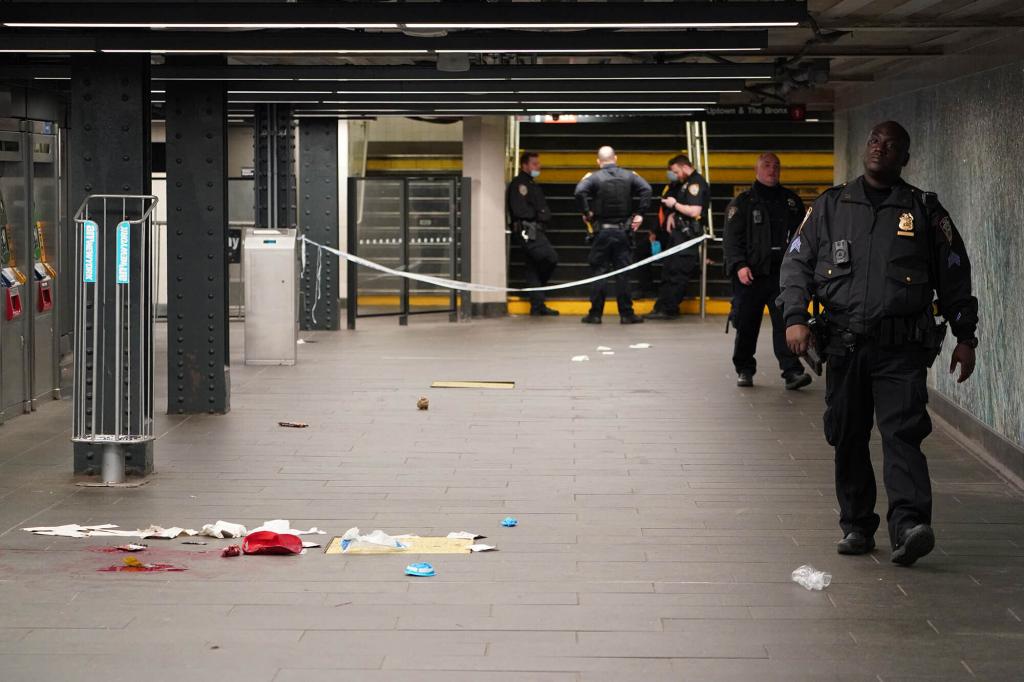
x=811 y=578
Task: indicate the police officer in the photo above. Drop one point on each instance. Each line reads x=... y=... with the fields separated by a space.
x=758 y=225
x=874 y=252
x=605 y=198
x=529 y=214
x=684 y=204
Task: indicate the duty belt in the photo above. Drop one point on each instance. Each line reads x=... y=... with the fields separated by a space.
x=612 y=225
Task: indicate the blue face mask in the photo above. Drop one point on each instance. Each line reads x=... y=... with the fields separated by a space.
x=672 y=176
x=535 y=174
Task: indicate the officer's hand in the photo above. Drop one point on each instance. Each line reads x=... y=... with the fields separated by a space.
x=670 y=224
x=589 y=239
x=669 y=202
x=964 y=356
x=638 y=220
x=798 y=338
x=746 y=276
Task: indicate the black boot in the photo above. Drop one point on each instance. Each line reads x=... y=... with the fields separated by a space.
x=631 y=319
x=744 y=379
x=855 y=543
x=544 y=311
x=591 y=319
x=796 y=380
x=914 y=544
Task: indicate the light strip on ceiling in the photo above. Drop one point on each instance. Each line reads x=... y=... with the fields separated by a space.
x=233 y=51
x=110 y=24
x=43 y=51
x=607 y=25
x=600 y=50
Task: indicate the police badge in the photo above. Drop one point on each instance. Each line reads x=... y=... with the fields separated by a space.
x=946 y=225
x=731 y=213
x=906 y=226
x=693 y=189
x=791 y=202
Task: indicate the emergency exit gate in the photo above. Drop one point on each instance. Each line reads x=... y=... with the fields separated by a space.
x=30 y=265
x=413 y=224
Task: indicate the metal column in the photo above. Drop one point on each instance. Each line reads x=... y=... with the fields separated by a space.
x=198 y=350
x=109 y=153
x=319 y=285
x=274 y=156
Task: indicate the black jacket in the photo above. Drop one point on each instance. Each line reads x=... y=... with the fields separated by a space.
x=525 y=200
x=608 y=194
x=754 y=221
x=900 y=256
x=693 y=191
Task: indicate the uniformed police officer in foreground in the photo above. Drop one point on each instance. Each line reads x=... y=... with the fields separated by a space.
x=529 y=215
x=605 y=198
x=873 y=252
x=759 y=223
x=684 y=205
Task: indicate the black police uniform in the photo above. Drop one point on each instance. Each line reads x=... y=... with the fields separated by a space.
x=608 y=194
x=758 y=225
x=875 y=260
x=680 y=268
x=529 y=214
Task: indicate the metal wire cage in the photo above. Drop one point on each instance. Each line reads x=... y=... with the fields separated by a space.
x=113 y=381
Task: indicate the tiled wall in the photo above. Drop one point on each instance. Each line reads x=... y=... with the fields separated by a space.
x=968 y=147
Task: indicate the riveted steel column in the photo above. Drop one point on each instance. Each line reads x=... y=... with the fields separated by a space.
x=319 y=284
x=198 y=355
x=274 y=158
x=109 y=153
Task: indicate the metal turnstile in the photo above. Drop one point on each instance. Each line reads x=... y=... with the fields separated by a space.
x=271 y=296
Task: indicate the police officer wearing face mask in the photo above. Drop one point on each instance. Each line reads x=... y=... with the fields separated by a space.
x=875 y=252
x=529 y=214
x=684 y=205
x=758 y=225
x=605 y=198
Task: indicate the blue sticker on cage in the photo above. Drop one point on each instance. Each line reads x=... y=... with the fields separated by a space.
x=655 y=247
x=124 y=233
x=89 y=229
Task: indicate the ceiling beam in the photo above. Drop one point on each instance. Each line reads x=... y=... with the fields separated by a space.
x=361 y=42
x=872 y=23
x=680 y=87
x=410 y=15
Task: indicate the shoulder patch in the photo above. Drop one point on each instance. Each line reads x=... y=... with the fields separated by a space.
x=523 y=189
x=731 y=213
x=804 y=222
x=946 y=225
x=694 y=189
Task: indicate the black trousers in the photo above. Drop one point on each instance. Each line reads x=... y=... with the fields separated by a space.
x=610 y=251
x=540 y=259
x=676 y=273
x=748 y=304
x=886 y=384
x=645 y=274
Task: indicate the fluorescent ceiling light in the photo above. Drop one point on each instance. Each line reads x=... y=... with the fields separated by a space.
x=233 y=51
x=278 y=92
x=44 y=51
x=51 y=78
x=109 y=24
x=601 y=50
x=630 y=92
x=609 y=25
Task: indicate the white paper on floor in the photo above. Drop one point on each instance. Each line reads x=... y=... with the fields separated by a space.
x=607 y=352
x=223 y=529
x=73 y=530
x=580 y=358
x=165 y=533
x=640 y=345
x=602 y=348
x=377 y=538
x=284 y=526
x=463 y=535
x=481 y=548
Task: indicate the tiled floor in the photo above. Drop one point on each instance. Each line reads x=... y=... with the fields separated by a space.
x=661 y=512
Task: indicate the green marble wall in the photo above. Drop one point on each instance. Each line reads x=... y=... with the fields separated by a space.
x=968 y=147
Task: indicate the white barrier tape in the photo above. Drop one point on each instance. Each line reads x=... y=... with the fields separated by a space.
x=471 y=286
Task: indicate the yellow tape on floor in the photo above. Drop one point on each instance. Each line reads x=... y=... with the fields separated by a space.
x=416 y=545
x=474 y=384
